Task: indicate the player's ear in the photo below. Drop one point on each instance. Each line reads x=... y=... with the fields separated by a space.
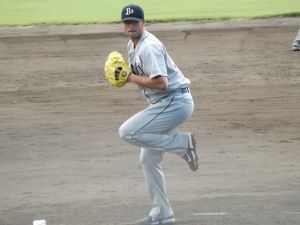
x=144 y=22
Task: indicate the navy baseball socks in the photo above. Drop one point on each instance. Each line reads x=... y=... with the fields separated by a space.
x=191 y=155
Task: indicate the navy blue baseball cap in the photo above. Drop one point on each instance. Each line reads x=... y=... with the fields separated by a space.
x=132 y=12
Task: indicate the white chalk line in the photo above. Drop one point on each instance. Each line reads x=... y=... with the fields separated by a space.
x=210 y=214
x=226 y=213
x=291 y=212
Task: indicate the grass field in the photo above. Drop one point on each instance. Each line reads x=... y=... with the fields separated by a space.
x=27 y=12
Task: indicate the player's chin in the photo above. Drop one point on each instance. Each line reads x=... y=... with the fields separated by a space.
x=132 y=34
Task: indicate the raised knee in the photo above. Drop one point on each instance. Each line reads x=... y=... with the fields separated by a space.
x=122 y=132
x=125 y=134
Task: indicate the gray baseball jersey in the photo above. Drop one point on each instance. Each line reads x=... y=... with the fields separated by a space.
x=150 y=58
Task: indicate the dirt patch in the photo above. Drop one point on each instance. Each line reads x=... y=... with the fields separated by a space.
x=60 y=155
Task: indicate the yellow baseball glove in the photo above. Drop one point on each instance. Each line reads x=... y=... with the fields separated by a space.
x=116 y=69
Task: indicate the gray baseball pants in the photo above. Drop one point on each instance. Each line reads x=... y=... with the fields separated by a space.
x=154 y=129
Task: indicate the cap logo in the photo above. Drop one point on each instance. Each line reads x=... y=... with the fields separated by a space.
x=129 y=11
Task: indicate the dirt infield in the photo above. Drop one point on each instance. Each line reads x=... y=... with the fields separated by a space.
x=60 y=155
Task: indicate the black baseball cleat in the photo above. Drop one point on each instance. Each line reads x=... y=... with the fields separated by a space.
x=191 y=156
x=148 y=220
x=296 y=45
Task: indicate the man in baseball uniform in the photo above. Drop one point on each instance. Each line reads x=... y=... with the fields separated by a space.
x=155 y=129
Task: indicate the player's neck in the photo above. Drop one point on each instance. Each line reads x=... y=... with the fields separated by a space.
x=136 y=40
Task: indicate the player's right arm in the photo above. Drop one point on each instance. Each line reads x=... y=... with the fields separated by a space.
x=157 y=82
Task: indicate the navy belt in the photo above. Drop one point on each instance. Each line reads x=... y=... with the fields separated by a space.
x=185 y=90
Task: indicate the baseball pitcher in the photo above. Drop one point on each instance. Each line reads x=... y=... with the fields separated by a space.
x=154 y=129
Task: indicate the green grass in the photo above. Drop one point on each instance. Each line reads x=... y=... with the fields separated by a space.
x=27 y=12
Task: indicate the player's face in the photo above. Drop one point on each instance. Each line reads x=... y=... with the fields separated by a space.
x=133 y=29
